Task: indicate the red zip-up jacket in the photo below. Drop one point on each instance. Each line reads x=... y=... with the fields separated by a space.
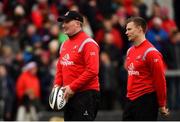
x=146 y=72
x=27 y=81
x=78 y=64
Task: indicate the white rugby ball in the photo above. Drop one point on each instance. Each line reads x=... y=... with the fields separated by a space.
x=56 y=98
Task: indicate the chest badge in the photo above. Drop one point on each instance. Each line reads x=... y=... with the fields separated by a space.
x=138 y=57
x=75 y=47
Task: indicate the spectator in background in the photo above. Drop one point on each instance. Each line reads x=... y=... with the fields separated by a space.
x=54 y=32
x=27 y=112
x=90 y=9
x=19 y=15
x=37 y=17
x=108 y=27
x=105 y=7
x=28 y=53
x=114 y=55
x=118 y=21
x=87 y=28
x=29 y=37
x=107 y=45
x=157 y=35
x=168 y=24
x=18 y=62
x=53 y=48
x=28 y=93
x=176 y=9
x=53 y=67
x=45 y=76
x=28 y=81
x=2 y=15
x=110 y=59
x=172 y=59
x=155 y=10
x=128 y=4
x=108 y=82
x=12 y=40
x=7 y=55
x=142 y=8
x=135 y=11
x=121 y=14
x=7 y=94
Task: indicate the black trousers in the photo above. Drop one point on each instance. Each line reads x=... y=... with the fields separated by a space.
x=143 y=108
x=82 y=106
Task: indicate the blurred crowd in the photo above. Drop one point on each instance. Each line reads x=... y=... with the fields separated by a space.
x=30 y=37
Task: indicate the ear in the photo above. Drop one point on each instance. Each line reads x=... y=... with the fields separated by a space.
x=78 y=23
x=140 y=29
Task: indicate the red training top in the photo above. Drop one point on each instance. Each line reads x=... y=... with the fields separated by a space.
x=78 y=64
x=146 y=72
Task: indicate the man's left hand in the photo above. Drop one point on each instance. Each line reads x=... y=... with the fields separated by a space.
x=164 y=111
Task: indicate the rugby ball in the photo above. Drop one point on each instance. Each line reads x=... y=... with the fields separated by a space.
x=56 y=98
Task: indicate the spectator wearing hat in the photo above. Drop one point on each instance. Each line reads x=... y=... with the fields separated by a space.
x=28 y=93
x=157 y=35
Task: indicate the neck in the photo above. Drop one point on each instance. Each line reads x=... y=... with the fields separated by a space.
x=139 y=40
x=76 y=32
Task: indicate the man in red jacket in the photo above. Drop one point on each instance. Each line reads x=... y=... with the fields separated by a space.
x=28 y=82
x=146 y=89
x=77 y=70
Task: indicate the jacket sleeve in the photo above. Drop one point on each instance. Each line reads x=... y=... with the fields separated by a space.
x=90 y=54
x=20 y=90
x=58 y=75
x=58 y=80
x=157 y=68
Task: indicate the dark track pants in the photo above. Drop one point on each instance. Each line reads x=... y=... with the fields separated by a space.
x=82 y=106
x=143 y=108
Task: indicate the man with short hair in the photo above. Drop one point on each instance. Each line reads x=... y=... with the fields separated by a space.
x=146 y=88
x=77 y=70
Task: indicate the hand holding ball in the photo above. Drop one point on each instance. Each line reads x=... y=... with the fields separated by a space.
x=56 y=98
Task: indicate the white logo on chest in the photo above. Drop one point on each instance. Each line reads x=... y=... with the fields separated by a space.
x=131 y=70
x=65 y=60
x=75 y=47
x=138 y=57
